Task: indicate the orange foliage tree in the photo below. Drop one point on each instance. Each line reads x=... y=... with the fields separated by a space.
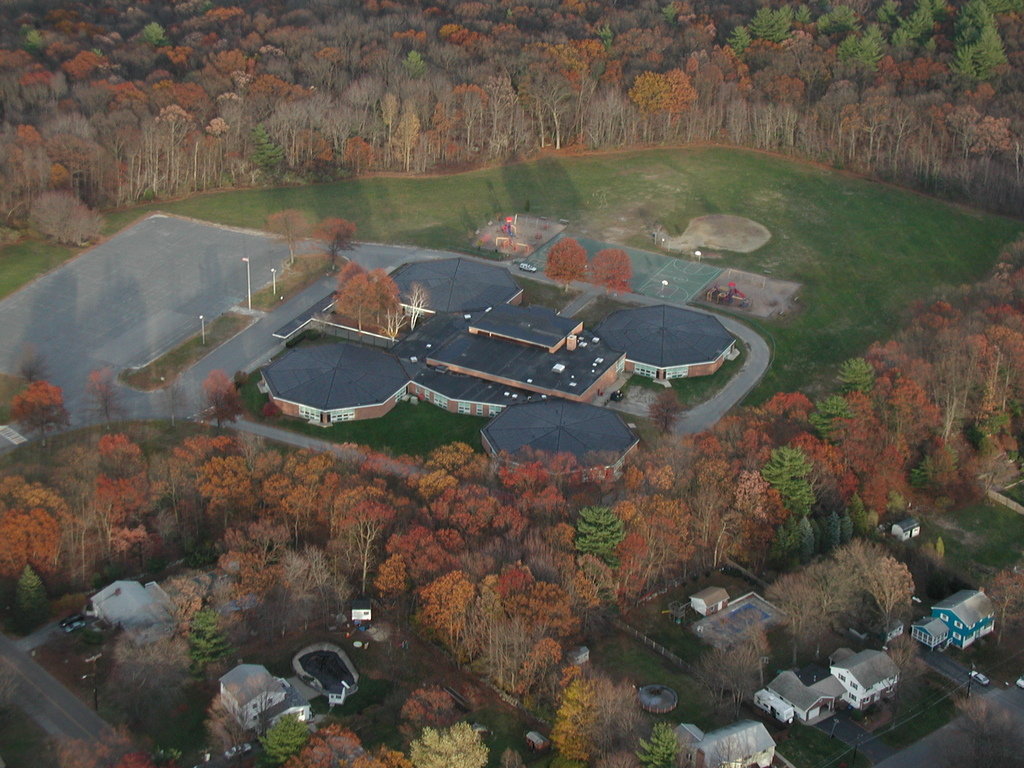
x=40 y=407
x=567 y=261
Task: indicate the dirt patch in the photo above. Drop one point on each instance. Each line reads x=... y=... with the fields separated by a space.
x=517 y=235
x=752 y=294
x=729 y=233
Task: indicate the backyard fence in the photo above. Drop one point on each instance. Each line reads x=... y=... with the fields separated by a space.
x=654 y=645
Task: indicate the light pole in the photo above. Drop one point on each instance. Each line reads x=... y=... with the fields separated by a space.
x=95 y=686
x=697 y=254
x=202 y=322
x=248 y=282
x=274 y=273
x=664 y=287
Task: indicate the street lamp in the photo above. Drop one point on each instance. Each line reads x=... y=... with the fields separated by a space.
x=697 y=254
x=248 y=282
x=203 y=324
x=664 y=287
x=274 y=273
x=95 y=685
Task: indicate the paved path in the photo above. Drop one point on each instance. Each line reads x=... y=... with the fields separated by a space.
x=57 y=711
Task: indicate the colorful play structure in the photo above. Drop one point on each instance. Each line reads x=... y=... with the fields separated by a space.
x=507 y=240
x=729 y=295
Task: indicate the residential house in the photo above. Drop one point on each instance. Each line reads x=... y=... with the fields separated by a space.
x=958 y=620
x=740 y=745
x=710 y=600
x=145 y=611
x=787 y=696
x=866 y=676
x=257 y=699
x=904 y=530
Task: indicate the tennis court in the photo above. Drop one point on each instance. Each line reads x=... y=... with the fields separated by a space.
x=654 y=274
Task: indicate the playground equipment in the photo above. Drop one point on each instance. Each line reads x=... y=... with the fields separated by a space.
x=729 y=295
x=677 y=609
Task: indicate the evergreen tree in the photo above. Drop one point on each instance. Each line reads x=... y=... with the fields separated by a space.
x=803 y=15
x=598 y=532
x=206 y=642
x=740 y=40
x=840 y=19
x=155 y=35
x=856 y=375
x=972 y=19
x=284 y=739
x=661 y=750
x=888 y=13
x=831 y=532
x=31 y=39
x=787 y=471
x=845 y=528
x=919 y=26
x=830 y=409
x=871 y=47
x=863 y=519
x=266 y=154
x=773 y=26
x=808 y=545
x=787 y=542
x=988 y=53
x=848 y=50
x=415 y=66
x=30 y=603
x=940 y=548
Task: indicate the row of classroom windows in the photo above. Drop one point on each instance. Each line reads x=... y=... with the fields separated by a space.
x=349 y=414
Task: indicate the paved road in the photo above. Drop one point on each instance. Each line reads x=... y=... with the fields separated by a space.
x=57 y=711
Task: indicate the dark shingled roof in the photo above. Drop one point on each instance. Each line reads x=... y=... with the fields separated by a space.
x=560 y=426
x=665 y=336
x=534 y=325
x=331 y=376
x=461 y=387
x=457 y=285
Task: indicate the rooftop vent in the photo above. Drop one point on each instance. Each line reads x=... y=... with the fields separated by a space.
x=430 y=346
x=507 y=394
x=543 y=397
x=467 y=317
x=414 y=359
x=488 y=309
x=598 y=360
x=558 y=367
x=597 y=339
x=529 y=381
x=572 y=383
x=514 y=396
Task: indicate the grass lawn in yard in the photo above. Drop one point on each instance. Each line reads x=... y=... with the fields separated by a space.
x=807 y=747
x=155 y=374
x=292 y=280
x=597 y=310
x=23 y=744
x=863 y=251
x=412 y=429
x=979 y=539
x=9 y=387
x=184 y=728
x=926 y=710
x=536 y=293
x=23 y=261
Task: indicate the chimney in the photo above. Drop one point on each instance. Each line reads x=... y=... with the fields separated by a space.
x=570 y=342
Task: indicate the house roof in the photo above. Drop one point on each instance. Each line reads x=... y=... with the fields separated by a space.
x=665 y=336
x=868 y=667
x=560 y=426
x=969 y=605
x=711 y=595
x=457 y=285
x=789 y=687
x=131 y=605
x=533 y=325
x=247 y=681
x=331 y=376
x=907 y=523
x=734 y=743
x=935 y=627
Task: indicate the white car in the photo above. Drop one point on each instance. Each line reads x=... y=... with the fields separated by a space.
x=238 y=749
x=527 y=266
x=979 y=678
x=1020 y=681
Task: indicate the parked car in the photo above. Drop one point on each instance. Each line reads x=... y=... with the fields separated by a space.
x=616 y=396
x=239 y=749
x=1020 y=681
x=527 y=266
x=72 y=622
x=979 y=678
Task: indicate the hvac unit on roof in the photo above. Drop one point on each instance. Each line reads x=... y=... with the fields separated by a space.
x=529 y=381
x=506 y=394
x=514 y=396
x=558 y=367
x=467 y=317
x=596 y=339
x=414 y=359
x=599 y=360
x=430 y=346
x=572 y=383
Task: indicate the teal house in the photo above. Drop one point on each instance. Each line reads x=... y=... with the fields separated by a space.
x=958 y=620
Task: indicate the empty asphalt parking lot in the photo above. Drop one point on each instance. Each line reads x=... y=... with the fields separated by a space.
x=131 y=298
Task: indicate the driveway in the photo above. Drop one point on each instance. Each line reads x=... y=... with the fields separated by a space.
x=840 y=726
x=55 y=709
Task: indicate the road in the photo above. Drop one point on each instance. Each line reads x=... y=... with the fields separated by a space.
x=57 y=711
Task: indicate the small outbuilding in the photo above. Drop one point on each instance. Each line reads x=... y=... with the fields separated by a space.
x=709 y=601
x=362 y=610
x=537 y=742
x=907 y=529
x=578 y=656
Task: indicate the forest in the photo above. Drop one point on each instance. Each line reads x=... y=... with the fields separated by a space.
x=113 y=103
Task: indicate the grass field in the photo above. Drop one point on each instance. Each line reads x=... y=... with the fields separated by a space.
x=23 y=744
x=807 y=747
x=864 y=251
x=979 y=539
x=926 y=710
x=23 y=261
x=9 y=387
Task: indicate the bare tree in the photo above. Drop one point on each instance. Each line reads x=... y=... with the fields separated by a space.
x=60 y=215
x=903 y=650
x=984 y=736
x=290 y=226
x=174 y=398
x=886 y=581
x=799 y=599
x=417 y=301
x=148 y=678
x=394 y=319
x=8 y=685
x=618 y=722
x=222 y=725
x=31 y=366
x=104 y=394
x=733 y=674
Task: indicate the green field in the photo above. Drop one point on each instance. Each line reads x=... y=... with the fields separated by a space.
x=979 y=539
x=24 y=261
x=864 y=251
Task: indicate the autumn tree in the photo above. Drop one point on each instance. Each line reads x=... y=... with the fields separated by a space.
x=598 y=532
x=291 y=227
x=222 y=726
x=574 y=719
x=105 y=396
x=40 y=407
x=363 y=295
x=567 y=261
x=337 y=234
x=664 y=410
x=62 y=217
x=613 y=269
x=222 y=399
x=429 y=706
x=148 y=677
x=456 y=747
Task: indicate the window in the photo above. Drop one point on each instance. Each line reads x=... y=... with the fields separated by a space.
x=347 y=414
x=496 y=409
x=440 y=401
x=958 y=625
x=645 y=370
x=679 y=372
x=956 y=636
x=464 y=407
x=309 y=413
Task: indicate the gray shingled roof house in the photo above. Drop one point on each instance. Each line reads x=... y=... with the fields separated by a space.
x=865 y=676
x=742 y=744
x=257 y=699
x=457 y=285
x=595 y=436
x=667 y=342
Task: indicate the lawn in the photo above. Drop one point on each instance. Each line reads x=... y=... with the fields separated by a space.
x=536 y=293
x=412 y=429
x=807 y=747
x=597 y=310
x=926 y=710
x=9 y=387
x=167 y=366
x=979 y=539
x=23 y=744
x=863 y=251
x=24 y=261
x=292 y=280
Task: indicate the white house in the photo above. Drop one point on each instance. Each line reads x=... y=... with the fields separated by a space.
x=740 y=745
x=257 y=699
x=787 y=697
x=143 y=610
x=904 y=530
x=866 y=676
x=710 y=600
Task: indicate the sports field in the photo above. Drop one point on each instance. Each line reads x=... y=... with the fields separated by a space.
x=865 y=252
x=654 y=274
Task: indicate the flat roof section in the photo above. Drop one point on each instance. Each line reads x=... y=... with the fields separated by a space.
x=560 y=426
x=457 y=285
x=665 y=336
x=332 y=376
x=532 y=325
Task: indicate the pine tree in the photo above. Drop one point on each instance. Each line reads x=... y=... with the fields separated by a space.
x=845 y=528
x=284 y=739
x=808 y=544
x=598 y=532
x=786 y=471
x=154 y=34
x=871 y=47
x=863 y=519
x=856 y=375
x=888 y=13
x=830 y=409
x=831 y=532
x=266 y=154
x=841 y=18
x=206 y=643
x=803 y=15
x=787 y=541
x=773 y=26
x=660 y=751
x=30 y=603
x=740 y=40
x=415 y=66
